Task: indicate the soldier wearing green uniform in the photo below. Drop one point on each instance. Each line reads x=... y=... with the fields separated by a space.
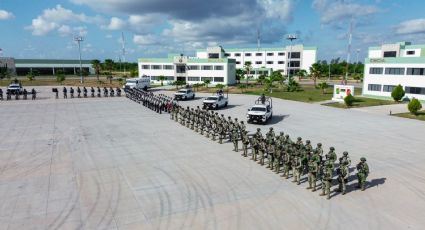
x=362 y=173
x=343 y=172
x=277 y=158
x=327 y=178
x=235 y=137
x=220 y=132
x=255 y=146
x=271 y=150
x=313 y=168
x=286 y=158
x=298 y=168
x=245 y=143
x=331 y=155
x=263 y=150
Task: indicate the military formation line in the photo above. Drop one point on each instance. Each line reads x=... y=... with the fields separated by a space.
x=83 y=92
x=278 y=152
x=17 y=96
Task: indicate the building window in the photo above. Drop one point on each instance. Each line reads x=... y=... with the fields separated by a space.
x=193 y=67
x=280 y=62
x=281 y=54
x=237 y=54
x=238 y=63
x=227 y=55
x=218 y=79
x=168 y=67
x=218 y=67
x=376 y=70
x=252 y=72
x=415 y=71
x=415 y=90
x=154 y=78
x=258 y=62
x=248 y=63
x=294 y=64
x=170 y=78
x=213 y=55
x=206 y=67
x=248 y=54
x=295 y=55
x=156 y=67
x=146 y=66
x=206 y=78
x=394 y=71
x=374 y=87
x=388 y=88
x=390 y=54
x=181 y=69
x=259 y=54
x=270 y=54
x=193 y=78
x=270 y=62
x=410 y=52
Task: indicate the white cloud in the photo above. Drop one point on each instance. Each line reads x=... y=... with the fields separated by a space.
x=415 y=26
x=144 y=40
x=116 y=24
x=4 y=15
x=333 y=12
x=278 y=8
x=58 y=19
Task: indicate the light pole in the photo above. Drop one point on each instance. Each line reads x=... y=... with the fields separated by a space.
x=290 y=37
x=357 y=61
x=79 y=39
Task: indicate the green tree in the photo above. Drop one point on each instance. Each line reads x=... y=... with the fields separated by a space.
x=301 y=74
x=197 y=85
x=261 y=79
x=97 y=67
x=277 y=76
x=207 y=82
x=134 y=73
x=315 y=72
x=162 y=79
x=60 y=76
x=109 y=65
x=219 y=86
x=349 y=100
x=247 y=68
x=398 y=93
x=120 y=80
x=414 y=106
x=323 y=86
x=108 y=76
x=31 y=75
x=5 y=72
x=239 y=75
x=292 y=85
x=242 y=87
x=268 y=84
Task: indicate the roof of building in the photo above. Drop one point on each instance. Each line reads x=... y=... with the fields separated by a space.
x=262 y=49
x=403 y=45
x=50 y=61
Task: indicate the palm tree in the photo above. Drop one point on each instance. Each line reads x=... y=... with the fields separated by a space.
x=247 y=68
x=207 y=82
x=315 y=72
x=301 y=73
x=162 y=79
x=323 y=86
x=97 y=67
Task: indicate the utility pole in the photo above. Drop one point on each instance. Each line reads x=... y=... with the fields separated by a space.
x=350 y=38
x=290 y=37
x=123 y=49
x=79 y=39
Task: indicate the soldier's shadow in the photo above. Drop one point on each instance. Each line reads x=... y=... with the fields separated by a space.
x=353 y=183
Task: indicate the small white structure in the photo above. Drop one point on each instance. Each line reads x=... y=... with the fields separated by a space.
x=341 y=91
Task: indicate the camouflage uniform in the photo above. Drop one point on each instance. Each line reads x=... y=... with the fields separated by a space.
x=362 y=173
x=327 y=178
x=343 y=173
x=313 y=168
x=245 y=143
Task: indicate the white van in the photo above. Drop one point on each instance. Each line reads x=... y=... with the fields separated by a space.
x=143 y=82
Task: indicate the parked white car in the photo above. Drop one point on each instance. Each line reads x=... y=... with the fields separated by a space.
x=138 y=83
x=261 y=112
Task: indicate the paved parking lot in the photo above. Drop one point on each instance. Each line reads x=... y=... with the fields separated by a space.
x=109 y=163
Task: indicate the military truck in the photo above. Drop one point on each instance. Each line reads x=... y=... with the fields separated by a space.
x=184 y=94
x=216 y=101
x=261 y=112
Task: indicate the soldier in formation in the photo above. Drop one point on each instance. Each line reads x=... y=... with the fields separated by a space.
x=278 y=152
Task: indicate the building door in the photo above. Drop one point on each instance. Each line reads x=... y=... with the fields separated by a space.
x=181 y=78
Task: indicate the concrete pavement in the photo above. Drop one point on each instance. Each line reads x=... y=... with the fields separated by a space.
x=109 y=163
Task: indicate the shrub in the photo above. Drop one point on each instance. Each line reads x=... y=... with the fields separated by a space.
x=398 y=93
x=414 y=106
x=292 y=86
x=349 y=100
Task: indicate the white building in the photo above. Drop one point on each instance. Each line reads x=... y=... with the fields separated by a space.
x=392 y=64
x=267 y=60
x=213 y=66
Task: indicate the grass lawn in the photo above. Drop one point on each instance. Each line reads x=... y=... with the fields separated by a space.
x=362 y=102
x=419 y=116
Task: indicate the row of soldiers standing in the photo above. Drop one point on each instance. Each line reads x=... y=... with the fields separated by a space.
x=17 y=94
x=282 y=154
x=278 y=152
x=84 y=90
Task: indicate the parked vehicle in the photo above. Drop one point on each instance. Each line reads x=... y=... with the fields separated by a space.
x=215 y=101
x=261 y=112
x=184 y=94
x=138 y=83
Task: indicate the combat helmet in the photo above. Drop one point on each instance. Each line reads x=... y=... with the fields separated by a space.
x=332 y=148
x=345 y=153
x=363 y=159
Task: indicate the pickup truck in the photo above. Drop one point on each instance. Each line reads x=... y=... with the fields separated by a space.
x=184 y=94
x=261 y=112
x=15 y=88
x=215 y=102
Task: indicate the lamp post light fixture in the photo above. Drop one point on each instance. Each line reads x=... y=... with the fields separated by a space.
x=79 y=39
x=290 y=37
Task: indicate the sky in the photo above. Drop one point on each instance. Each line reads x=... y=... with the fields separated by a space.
x=154 y=28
